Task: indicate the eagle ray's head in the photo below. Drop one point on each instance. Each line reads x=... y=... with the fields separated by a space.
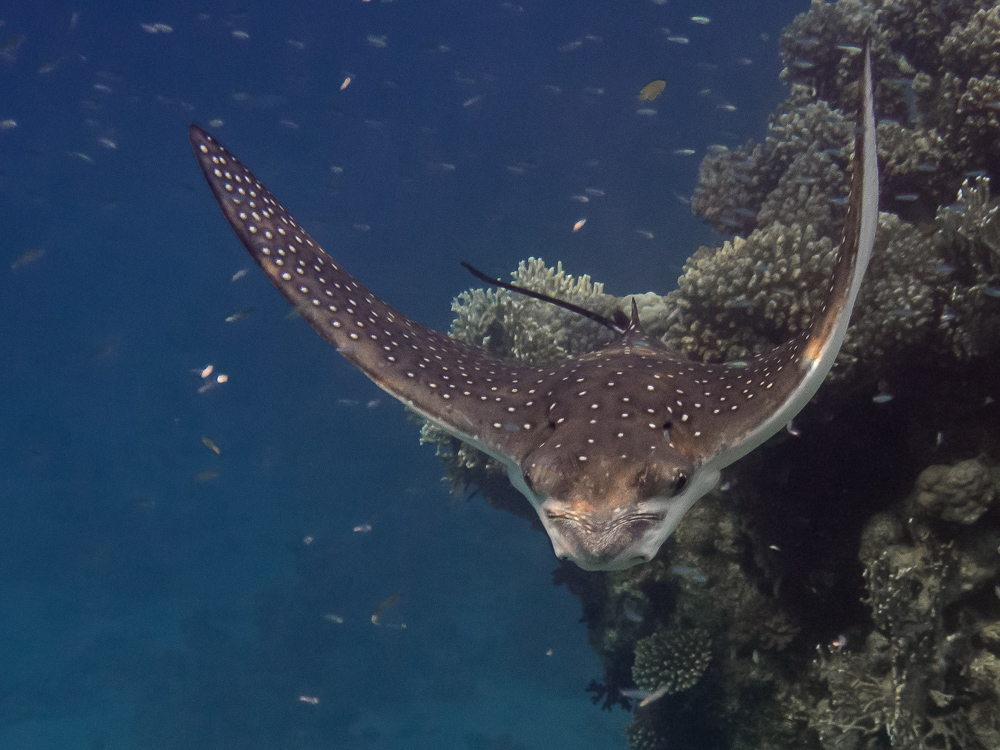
x=609 y=512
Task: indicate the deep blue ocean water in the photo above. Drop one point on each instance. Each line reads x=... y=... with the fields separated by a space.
x=155 y=594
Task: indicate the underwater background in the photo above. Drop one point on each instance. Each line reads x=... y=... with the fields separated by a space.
x=216 y=533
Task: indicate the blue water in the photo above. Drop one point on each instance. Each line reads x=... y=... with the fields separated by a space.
x=147 y=604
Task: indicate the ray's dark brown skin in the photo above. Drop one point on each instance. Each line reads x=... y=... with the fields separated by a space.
x=611 y=448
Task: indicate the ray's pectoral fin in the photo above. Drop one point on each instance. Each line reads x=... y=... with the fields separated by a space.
x=784 y=380
x=467 y=392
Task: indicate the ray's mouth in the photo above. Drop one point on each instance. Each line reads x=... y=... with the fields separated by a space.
x=596 y=544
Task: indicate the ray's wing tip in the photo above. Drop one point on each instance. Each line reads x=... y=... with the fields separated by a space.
x=197 y=133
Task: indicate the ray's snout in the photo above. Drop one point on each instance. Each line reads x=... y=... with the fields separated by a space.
x=594 y=543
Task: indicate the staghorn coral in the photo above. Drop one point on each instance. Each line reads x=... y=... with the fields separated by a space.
x=673 y=660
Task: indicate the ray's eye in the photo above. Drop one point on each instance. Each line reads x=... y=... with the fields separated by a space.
x=680 y=482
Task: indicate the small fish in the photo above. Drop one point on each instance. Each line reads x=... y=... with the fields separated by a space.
x=211 y=446
x=473 y=100
x=652 y=90
x=362 y=528
x=107 y=143
x=684 y=152
x=840 y=201
x=645 y=233
x=596 y=192
x=808 y=41
x=580 y=198
x=28 y=256
x=49 y=65
x=881 y=398
x=346 y=83
x=239 y=314
x=579 y=225
x=312 y=700
x=8 y=124
x=654 y=696
x=631 y=613
x=803 y=64
x=701 y=19
x=848 y=48
x=991 y=291
x=381 y=608
x=206 y=476
x=240 y=34
x=82 y=156
x=738 y=303
x=634 y=694
x=726 y=107
x=646 y=111
x=335 y=619
x=570 y=46
x=11 y=45
x=239 y=274
x=907 y=197
x=678 y=39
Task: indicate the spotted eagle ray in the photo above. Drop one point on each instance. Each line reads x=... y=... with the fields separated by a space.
x=612 y=447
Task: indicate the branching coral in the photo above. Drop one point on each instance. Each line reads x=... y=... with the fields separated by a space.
x=644 y=734
x=672 y=660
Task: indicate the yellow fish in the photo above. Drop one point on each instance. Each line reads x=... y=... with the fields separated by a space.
x=652 y=90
